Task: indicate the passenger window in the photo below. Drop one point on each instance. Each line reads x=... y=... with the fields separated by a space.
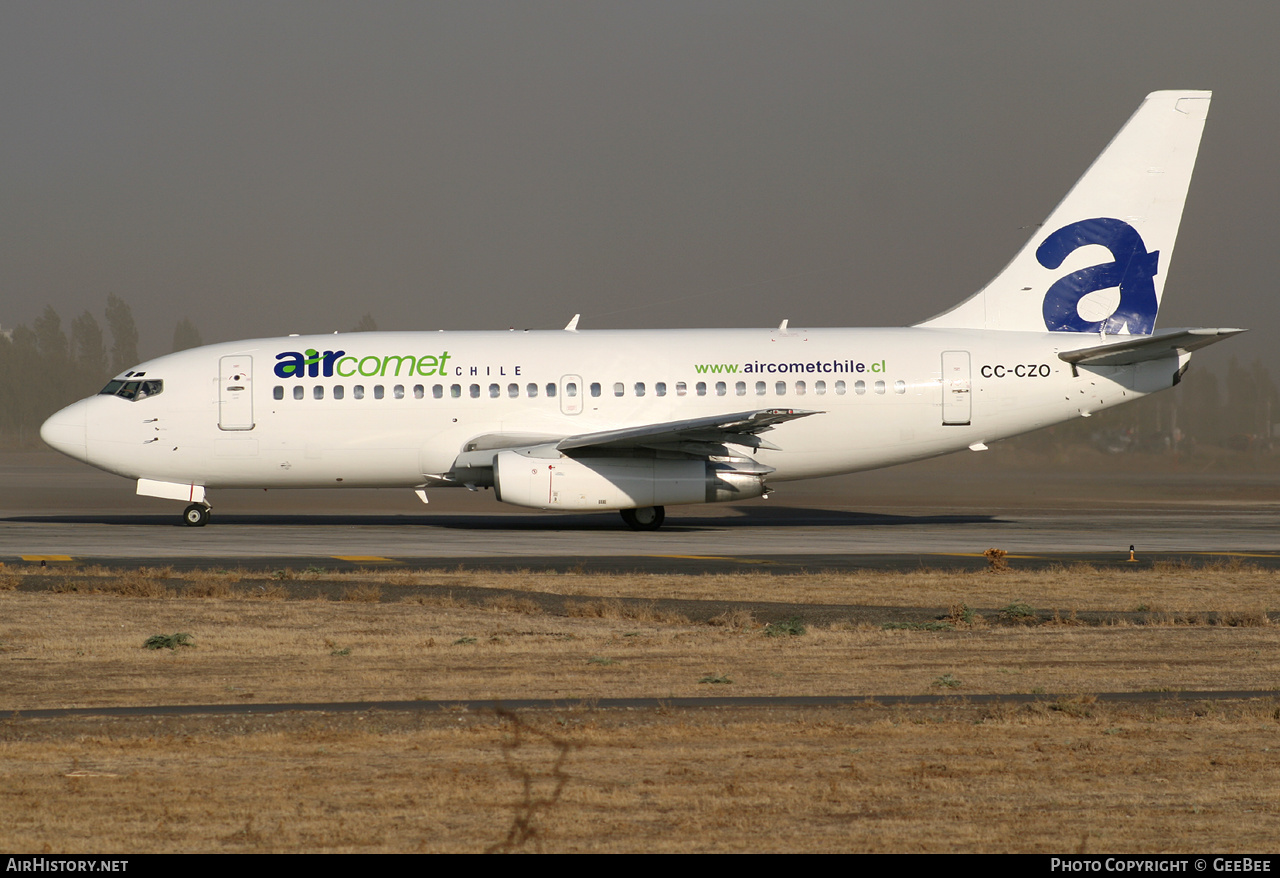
x=761 y=387
x=660 y=389
x=494 y=391
x=721 y=388
x=820 y=387
x=277 y=392
x=681 y=390
x=513 y=391
x=358 y=391
x=780 y=388
x=702 y=388
x=859 y=387
x=619 y=388
x=532 y=391
x=839 y=388
x=571 y=389
x=595 y=388
x=419 y=391
x=880 y=387
x=378 y=392
x=455 y=391
x=318 y=391
x=551 y=390
x=398 y=391
x=437 y=391
x=474 y=390
x=800 y=389
x=740 y=388
x=298 y=391
x=338 y=391
x=639 y=388
x=899 y=387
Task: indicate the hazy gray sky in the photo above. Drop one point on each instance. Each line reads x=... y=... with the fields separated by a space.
x=276 y=167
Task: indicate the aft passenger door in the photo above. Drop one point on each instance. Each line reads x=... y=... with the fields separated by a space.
x=957 y=384
x=235 y=393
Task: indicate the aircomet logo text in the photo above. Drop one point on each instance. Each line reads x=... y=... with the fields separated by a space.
x=313 y=364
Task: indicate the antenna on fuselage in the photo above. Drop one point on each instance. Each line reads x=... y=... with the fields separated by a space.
x=573 y=324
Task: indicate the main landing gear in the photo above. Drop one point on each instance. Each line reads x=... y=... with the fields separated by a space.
x=644 y=518
x=196 y=515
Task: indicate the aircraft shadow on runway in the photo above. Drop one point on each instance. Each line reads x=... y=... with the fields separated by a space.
x=774 y=516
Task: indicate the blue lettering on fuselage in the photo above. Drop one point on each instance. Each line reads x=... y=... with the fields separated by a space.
x=311 y=363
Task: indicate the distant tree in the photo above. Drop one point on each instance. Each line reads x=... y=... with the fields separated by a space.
x=1268 y=401
x=1200 y=409
x=1251 y=403
x=185 y=335
x=9 y=384
x=366 y=324
x=88 y=349
x=124 y=335
x=50 y=338
x=55 y=381
x=24 y=380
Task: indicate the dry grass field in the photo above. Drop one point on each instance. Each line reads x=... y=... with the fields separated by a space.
x=1066 y=774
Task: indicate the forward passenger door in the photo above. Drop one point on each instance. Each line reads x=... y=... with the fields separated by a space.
x=235 y=393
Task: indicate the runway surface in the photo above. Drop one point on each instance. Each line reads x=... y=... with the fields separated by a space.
x=943 y=513
x=804 y=537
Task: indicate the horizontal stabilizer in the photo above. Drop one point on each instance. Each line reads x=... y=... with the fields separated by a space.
x=1141 y=348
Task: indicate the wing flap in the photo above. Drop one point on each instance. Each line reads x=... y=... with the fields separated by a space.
x=739 y=428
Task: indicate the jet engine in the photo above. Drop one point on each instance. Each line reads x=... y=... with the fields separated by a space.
x=620 y=482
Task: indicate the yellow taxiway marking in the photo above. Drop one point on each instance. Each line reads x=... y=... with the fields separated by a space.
x=972 y=555
x=716 y=558
x=366 y=558
x=1236 y=554
x=46 y=557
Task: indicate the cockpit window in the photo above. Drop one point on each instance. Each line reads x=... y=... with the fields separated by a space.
x=133 y=390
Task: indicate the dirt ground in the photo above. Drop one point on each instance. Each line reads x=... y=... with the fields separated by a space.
x=1066 y=773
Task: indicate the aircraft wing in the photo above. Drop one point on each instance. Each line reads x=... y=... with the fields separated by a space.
x=1140 y=348
x=695 y=437
x=740 y=428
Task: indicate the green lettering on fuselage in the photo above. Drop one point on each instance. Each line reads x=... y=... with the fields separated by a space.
x=295 y=364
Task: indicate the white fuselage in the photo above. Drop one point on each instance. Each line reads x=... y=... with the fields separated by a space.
x=397 y=408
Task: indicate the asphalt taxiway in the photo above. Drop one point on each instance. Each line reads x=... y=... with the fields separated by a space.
x=941 y=513
x=777 y=536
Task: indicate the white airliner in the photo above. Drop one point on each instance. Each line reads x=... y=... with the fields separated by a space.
x=639 y=420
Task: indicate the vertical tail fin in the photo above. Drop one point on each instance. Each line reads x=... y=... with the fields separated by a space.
x=1126 y=208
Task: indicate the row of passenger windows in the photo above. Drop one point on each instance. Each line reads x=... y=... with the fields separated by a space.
x=531 y=391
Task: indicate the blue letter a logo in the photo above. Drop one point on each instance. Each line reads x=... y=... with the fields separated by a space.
x=1132 y=271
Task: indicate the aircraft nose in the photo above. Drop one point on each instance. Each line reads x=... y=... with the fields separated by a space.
x=65 y=430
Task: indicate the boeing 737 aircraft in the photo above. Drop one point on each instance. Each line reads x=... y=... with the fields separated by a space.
x=639 y=420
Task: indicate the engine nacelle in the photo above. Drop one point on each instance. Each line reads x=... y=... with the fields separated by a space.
x=616 y=482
